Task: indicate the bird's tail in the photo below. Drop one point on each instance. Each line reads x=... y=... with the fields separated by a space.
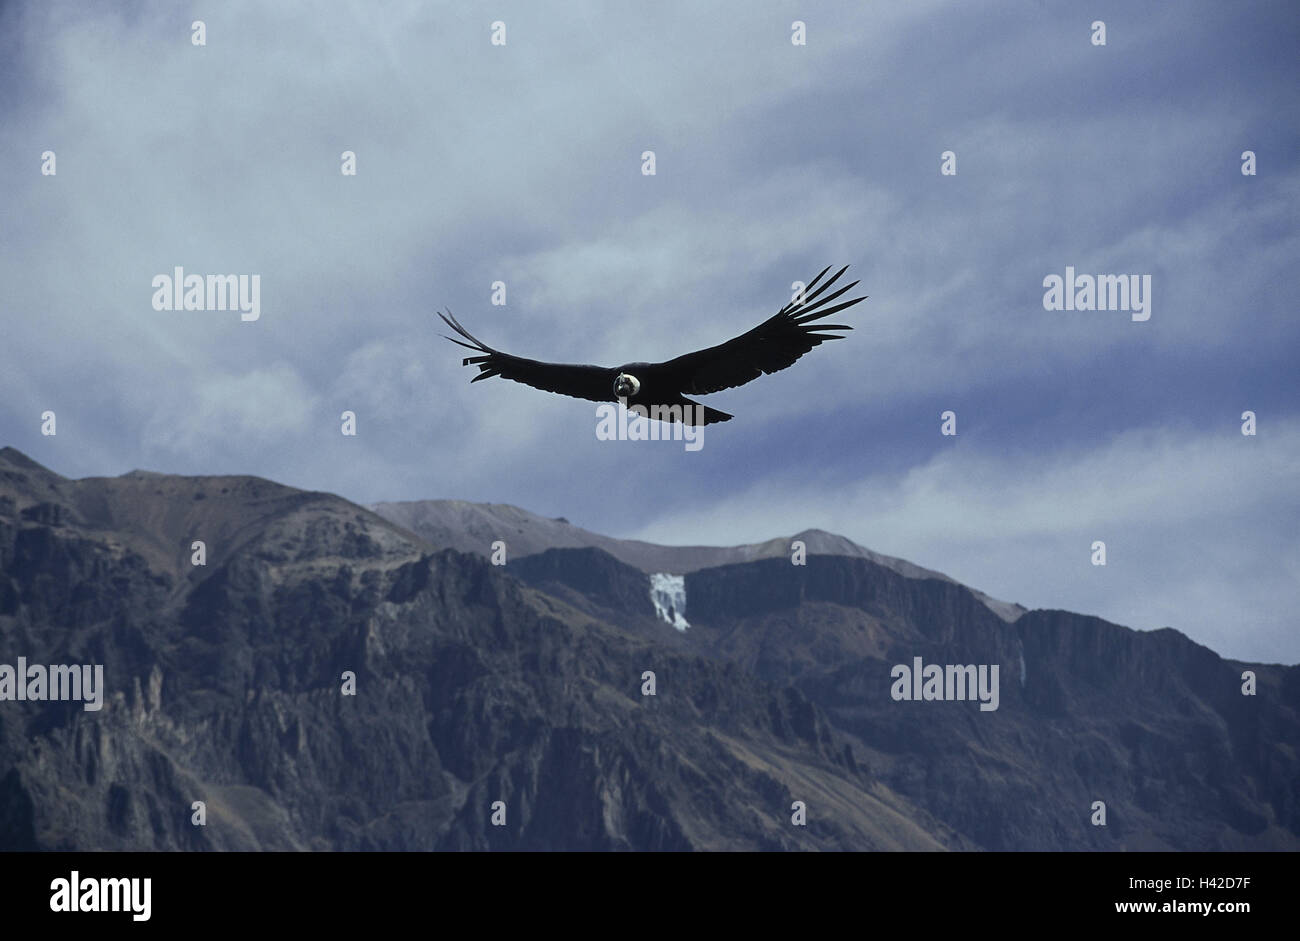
x=700 y=414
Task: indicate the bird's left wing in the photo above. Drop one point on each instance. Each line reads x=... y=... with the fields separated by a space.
x=772 y=345
x=583 y=382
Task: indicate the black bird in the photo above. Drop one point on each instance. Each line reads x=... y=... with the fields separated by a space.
x=772 y=345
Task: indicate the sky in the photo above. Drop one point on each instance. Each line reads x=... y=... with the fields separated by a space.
x=478 y=162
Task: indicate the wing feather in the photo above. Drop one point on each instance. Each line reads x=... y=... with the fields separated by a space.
x=771 y=346
x=583 y=382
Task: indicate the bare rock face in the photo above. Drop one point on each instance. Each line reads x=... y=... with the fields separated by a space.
x=1150 y=723
x=517 y=695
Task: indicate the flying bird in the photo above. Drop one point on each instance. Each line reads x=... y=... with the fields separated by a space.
x=771 y=346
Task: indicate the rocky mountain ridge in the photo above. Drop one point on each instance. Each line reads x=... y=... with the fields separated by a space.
x=519 y=690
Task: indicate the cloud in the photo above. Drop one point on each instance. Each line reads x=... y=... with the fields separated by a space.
x=231 y=412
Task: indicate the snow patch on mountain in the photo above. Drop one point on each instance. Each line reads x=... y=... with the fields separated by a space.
x=668 y=592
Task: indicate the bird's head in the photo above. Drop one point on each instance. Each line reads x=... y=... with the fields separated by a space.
x=626 y=385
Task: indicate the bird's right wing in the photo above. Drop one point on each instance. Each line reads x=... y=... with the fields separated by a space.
x=583 y=382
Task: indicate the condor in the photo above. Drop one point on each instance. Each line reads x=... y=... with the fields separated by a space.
x=771 y=346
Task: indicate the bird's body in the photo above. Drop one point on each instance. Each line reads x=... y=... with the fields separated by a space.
x=661 y=388
x=658 y=397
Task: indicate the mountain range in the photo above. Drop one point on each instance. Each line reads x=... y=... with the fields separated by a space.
x=285 y=669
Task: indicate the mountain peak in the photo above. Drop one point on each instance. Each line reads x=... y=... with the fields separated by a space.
x=474 y=527
x=15 y=458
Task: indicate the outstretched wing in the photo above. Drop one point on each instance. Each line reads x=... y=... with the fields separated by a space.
x=583 y=382
x=772 y=345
